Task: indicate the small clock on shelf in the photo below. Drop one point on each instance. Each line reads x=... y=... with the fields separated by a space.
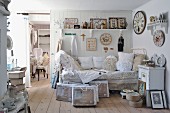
x=158 y=38
x=105 y=38
x=139 y=22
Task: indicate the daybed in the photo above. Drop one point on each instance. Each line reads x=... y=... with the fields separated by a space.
x=126 y=78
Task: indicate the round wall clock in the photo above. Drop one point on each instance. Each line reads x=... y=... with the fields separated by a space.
x=158 y=38
x=105 y=38
x=139 y=22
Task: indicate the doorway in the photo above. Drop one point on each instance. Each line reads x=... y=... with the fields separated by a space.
x=40 y=50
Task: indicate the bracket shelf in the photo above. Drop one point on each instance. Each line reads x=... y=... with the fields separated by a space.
x=152 y=26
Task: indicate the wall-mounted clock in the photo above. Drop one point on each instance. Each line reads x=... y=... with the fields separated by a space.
x=139 y=22
x=105 y=38
x=158 y=38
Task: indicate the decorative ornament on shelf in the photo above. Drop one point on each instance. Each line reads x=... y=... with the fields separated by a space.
x=161 y=20
x=120 y=42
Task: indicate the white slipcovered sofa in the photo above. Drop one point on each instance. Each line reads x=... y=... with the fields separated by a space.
x=121 y=74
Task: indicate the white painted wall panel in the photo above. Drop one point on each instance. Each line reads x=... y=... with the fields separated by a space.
x=3 y=56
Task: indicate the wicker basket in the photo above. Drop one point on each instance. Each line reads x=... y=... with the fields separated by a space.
x=136 y=104
x=135 y=97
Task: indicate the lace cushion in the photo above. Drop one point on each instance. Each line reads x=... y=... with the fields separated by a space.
x=124 y=65
x=109 y=63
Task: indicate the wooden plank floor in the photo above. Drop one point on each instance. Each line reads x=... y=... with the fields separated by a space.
x=42 y=99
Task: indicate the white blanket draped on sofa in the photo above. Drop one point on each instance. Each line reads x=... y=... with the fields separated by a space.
x=84 y=75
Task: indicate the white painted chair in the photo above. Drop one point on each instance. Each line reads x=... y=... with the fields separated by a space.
x=38 y=52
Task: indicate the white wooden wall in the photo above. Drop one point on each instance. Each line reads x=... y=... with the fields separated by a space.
x=56 y=33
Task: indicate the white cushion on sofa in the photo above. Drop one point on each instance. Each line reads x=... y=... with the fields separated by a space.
x=124 y=65
x=98 y=62
x=125 y=61
x=86 y=62
x=126 y=56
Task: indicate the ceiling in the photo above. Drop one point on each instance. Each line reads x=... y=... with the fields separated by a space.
x=44 y=6
x=47 y=5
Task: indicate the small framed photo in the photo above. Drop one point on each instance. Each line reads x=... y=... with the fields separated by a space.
x=95 y=23
x=76 y=26
x=156 y=99
x=98 y=23
x=91 y=44
x=113 y=23
x=70 y=22
x=141 y=87
x=121 y=23
x=103 y=23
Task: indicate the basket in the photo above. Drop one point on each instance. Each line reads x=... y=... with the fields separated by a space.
x=136 y=104
x=135 y=97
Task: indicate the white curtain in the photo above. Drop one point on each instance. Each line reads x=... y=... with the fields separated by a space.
x=74 y=51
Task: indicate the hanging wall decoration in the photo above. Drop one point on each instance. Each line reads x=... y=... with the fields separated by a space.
x=91 y=44
x=105 y=38
x=158 y=38
x=83 y=35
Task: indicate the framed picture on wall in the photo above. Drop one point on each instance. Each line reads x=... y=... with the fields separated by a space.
x=95 y=23
x=98 y=23
x=121 y=23
x=91 y=44
x=70 y=22
x=113 y=23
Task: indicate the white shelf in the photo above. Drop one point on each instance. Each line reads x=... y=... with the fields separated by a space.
x=152 y=26
x=44 y=39
x=94 y=29
x=62 y=31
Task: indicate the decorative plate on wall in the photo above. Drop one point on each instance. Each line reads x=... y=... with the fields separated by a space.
x=154 y=57
x=161 y=60
x=105 y=38
x=159 y=38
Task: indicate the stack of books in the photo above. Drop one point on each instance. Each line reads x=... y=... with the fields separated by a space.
x=16 y=79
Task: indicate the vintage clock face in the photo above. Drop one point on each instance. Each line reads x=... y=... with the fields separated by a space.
x=139 y=22
x=158 y=38
x=105 y=38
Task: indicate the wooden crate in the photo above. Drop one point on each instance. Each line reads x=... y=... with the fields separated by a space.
x=84 y=96
x=64 y=92
x=103 y=88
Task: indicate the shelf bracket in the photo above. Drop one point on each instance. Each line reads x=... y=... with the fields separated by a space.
x=163 y=24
